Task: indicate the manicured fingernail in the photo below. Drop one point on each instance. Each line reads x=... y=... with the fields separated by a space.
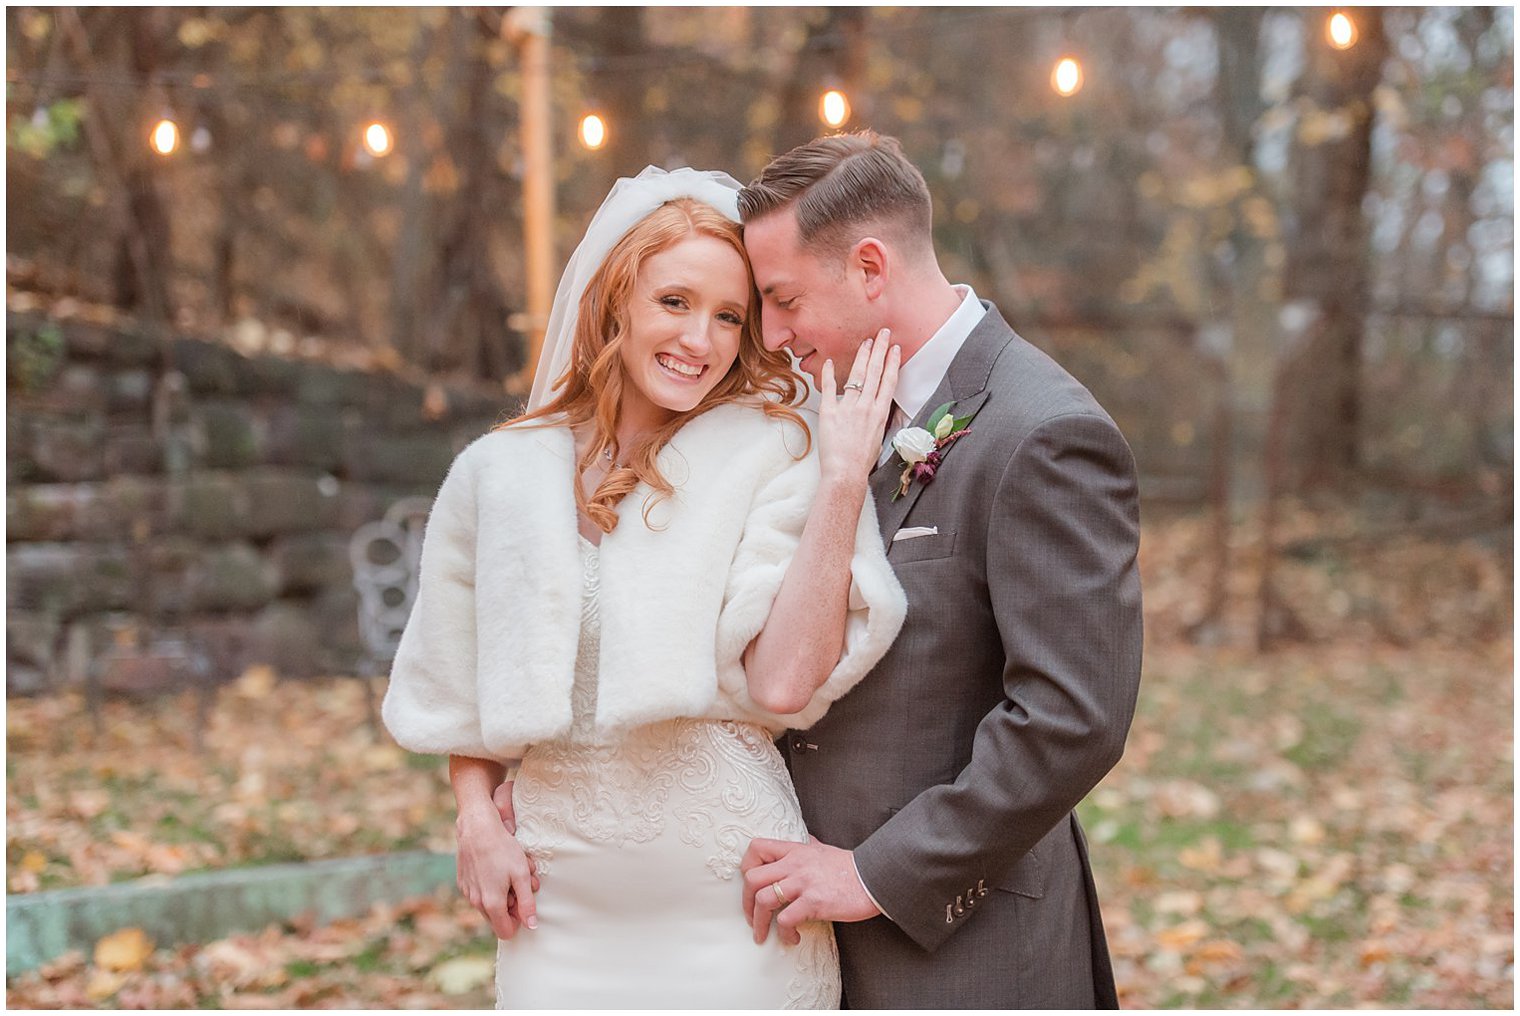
x=531 y=922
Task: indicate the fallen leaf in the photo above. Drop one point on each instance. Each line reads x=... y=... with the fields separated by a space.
x=463 y=974
x=103 y=984
x=127 y=949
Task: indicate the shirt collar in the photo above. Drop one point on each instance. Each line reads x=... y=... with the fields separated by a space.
x=921 y=374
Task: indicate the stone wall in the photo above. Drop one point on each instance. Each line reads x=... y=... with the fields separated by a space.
x=174 y=502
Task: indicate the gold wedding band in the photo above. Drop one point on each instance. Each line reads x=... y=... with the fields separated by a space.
x=858 y=386
x=781 y=899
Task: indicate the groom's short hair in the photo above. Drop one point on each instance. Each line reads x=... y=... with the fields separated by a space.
x=842 y=186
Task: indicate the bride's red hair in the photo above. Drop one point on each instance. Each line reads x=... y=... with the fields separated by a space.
x=591 y=389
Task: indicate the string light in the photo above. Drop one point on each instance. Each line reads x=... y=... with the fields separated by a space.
x=377 y=139
x=1066 y=78
x=165 y=137
x=834 y=108
x=593 y=131
x=1341 y=31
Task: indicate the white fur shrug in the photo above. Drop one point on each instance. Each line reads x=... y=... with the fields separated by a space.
x=487 y=659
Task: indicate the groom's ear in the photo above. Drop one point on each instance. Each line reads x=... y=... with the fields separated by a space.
x=869 y=260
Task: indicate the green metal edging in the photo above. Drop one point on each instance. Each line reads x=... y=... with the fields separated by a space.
x=206 y=906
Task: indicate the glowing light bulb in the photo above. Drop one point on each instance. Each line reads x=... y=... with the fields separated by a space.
x=165 y=137
x=1066 y=79
x=834 y=108
x=1341 y=30
x=593 y=131
x=378 y=140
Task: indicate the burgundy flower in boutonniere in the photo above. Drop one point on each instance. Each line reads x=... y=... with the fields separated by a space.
x=922 y=449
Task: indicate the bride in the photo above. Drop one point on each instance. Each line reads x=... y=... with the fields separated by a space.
x=625 y=595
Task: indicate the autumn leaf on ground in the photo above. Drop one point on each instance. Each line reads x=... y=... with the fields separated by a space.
x=126 y=949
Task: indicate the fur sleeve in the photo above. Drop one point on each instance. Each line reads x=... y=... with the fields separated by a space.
x=431 y=703
x=877 y=605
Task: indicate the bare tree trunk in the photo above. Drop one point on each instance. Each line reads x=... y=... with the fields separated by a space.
x=1328 y=264
x=143 y=242
x=618 y=35
x=1243 y=368
x=407 y=333
x=470 y=312
x=835 y=48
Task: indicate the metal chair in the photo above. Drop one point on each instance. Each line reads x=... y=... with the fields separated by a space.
x=385 y=555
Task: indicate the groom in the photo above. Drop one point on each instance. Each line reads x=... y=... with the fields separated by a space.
x=940 y=790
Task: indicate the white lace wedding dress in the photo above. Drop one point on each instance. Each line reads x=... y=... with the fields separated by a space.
x=637 y=842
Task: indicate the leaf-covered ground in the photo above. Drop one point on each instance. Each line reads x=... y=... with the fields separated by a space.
x=1329 y=824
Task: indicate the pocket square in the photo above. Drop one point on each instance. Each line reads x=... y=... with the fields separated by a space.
x=915 y=531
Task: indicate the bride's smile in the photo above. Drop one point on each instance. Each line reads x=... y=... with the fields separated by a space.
x=685 y=320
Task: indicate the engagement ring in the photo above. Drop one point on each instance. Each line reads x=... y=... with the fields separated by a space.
x=855 y=385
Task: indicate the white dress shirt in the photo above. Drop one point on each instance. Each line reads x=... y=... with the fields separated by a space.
x=921 y=373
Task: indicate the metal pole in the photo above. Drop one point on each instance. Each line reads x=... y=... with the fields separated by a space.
x=530 y=26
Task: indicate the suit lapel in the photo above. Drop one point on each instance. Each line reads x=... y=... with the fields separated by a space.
x=964 y=385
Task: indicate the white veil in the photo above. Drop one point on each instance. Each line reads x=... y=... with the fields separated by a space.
x=631 y=199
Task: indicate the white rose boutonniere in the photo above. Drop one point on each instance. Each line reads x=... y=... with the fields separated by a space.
x=913 y=443
x=923 y=449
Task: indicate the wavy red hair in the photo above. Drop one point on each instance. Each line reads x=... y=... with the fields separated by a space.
x=590 y=390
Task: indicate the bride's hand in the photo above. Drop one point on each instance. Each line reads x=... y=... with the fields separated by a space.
x=495 y=874
x=851 y=422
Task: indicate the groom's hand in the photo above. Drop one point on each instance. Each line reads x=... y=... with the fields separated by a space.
x=818 y=881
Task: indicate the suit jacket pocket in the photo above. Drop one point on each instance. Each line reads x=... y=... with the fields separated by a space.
x=1026 y=877
x=922 y=548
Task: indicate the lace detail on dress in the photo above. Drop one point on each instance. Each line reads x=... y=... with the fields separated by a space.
x=816 y=982
x=588 y=651
x=618 y=790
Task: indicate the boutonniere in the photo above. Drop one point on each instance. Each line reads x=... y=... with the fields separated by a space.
x=923 y=448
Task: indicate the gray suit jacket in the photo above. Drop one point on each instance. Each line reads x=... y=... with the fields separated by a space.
x=953 y=768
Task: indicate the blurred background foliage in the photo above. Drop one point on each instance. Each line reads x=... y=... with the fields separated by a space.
x=1285 y=268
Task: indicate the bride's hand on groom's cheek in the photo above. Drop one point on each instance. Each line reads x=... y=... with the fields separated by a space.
x=853 y=417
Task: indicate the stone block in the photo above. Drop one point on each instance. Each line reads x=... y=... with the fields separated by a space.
x=392 y=403
x=122 y=508
x=121 y=345
x=131 y=448
x=45 y=512
x=273 y=375
x=309 y=436
x=336 y=610
x=66 y=450
x=321 y=385
x=211 y=368
x=226 y=435
x=20 y=439
x=35 y=354
x=206 y=505
x=310 y=562
x=232 y=576
x=420 y=458
x=172 y=563
x=33 y=650
x=129 y=391
x=75 y=389
x=286 y=637
x=66 y=579
x=483 y=401
x=282 y=502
